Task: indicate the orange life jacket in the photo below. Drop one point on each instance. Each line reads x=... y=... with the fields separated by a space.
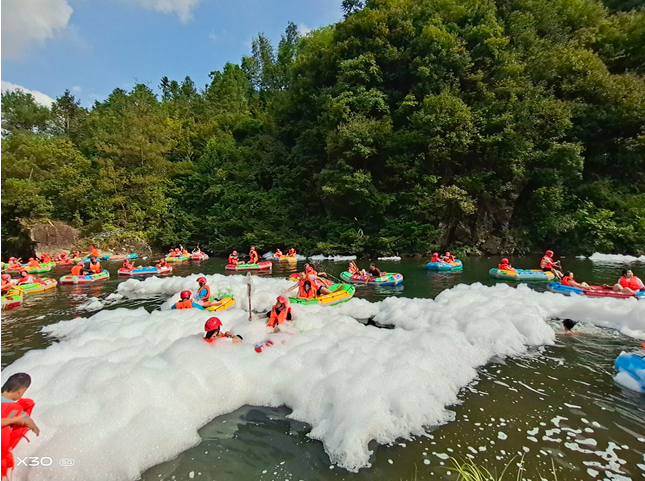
x=184 y=304
x=128 y=265
x=566 y=280
x=208 y=292
x=184 y=252
x=33 y=263
x=12 y=434
x=304 y=294
x=5 y=285
x=95 y=267
x=546 y=263
x=162 y=264
x=94 y=252
x=634 y=283
x=276 y=318
x=253 y=257
x=232 y=259
x=76 y=270
x=435 y=258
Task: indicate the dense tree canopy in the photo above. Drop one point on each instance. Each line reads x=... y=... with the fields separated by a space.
x=480 y=125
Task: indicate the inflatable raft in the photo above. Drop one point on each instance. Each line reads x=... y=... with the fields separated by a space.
x=144 y=271
x=340 y=293
x=594 y=291
x=118 y=257
x=633 y=364
x=86 y=279
x=12 y=299
x=43 y=285
x=202 y=256
x=291 y=259
x=530 y=275
x=45 y=267
x=180 y=258
x=260 y=266
x=456 y=265
x=221 y=305
x=387 y=279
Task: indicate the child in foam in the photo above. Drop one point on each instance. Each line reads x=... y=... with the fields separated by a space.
x=203 y=293
x=213 y=332
x=16 y=420
x=186 y=302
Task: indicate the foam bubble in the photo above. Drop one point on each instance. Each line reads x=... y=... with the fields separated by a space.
x=321 y=257
x=392 y=258
x=615 y=258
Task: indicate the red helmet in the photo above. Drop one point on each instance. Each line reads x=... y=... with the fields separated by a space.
x=201 y=280
x=447 y=253
x=80 y=264
x=12 y=258
x=549 y=253
x=212 y=324
x=252 y=248
x=234 y=252
x=31 y=258
x=185 y=294
x=504 y=260
x=6 y=277
x=283 y=300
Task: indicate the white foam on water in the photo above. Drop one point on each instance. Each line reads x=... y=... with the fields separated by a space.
x=125 y=389
x=321 y=257
x=615 y=258
x=391 y=258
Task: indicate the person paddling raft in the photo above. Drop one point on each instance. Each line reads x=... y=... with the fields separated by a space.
x=6 y=284
x=253 y=256
x=213 y=332
x=628 y=283
x=505 y=265
x=548 y=265
x=186 y=302
x=233 y=258
x=16 y=417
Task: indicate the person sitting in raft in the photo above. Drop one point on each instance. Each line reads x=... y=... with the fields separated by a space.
x=203 y=293
x=548 y=265
x=45 y=258
x=628 y=283
x=278 y=253
x=310 y=270
x=435 y=257
x=233 y=258
x=128 y=265
x=212 y=328
x=305 y=289
x=16 y=417
x=569 y=281
x=26 y=278
x=374 y=271
x=292 y=252
x=186 y=302
x=184 y=251
x=504 y=265
x=196 y=251
x=162 y=264
x=317 y=283
x=80 y=270
x=354 y=270
x=6 y=283
x=253 y=256
x=93 y=252
x=95 y=265
x=448 y=257
x=15 y=263
x=33 y=263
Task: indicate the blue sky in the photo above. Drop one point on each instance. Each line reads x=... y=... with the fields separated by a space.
x=94 y=46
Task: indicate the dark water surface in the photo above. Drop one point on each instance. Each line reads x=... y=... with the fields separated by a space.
x=557 y=407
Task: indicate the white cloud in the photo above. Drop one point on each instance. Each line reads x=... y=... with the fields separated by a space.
x=213 y=37
x=76 y=88
x=182 y=8
x=39 y=97
x=303 y=29
x=26 y=23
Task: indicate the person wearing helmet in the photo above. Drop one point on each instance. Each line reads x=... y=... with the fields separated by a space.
x=435 y=257
x=14 y=263
x=203 y=295
x=448 y=257
x=292 y=252
x=504 y=265
x=95 y=265
x=33 y=263
x=162 y=264
x=186 y=302
x=233 y=258
x=6 y=282
x=279 y=313
x=26 y=278
x=80 y=270
x=278 y=253
x=45 y=258
x=128 y=265
x=253 y=256
x=548 y=265
x=93 y=252
x=213 y=331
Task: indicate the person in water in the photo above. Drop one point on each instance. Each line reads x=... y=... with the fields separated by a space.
x=279 y=313
x=16 y=417
x=548 y=265
x=253 y=256
x=26 y=278
x=213 y=331
x=186 y=302
x=629 y=283
x=203 y=295
x=568 y=280
x=504 y=265
x=233 y=258
x=568 y=325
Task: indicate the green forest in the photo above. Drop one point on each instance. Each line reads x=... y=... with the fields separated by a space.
x=492 y=126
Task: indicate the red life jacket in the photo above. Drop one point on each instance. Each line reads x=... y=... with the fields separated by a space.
x=27 y=280
x=566 y=280
x=304 y=294
x=634 y=283
x=276 y=318
x=11 y=434
x=435 y=258
x=546 y=263
x=253 y=257
x=184 y=304
x=232 y=259
x=292 y=252
x=95 y=267
x=505 y=267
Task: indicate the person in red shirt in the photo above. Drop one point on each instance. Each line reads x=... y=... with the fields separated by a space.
x=253 y=256
x=26 y=278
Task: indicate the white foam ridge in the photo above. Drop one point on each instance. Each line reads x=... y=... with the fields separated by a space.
x=321 y=257
x=391 y=258
x=615 y=258
x=124 y=389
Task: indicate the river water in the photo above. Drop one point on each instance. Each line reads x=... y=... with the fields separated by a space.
x=554 y=407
